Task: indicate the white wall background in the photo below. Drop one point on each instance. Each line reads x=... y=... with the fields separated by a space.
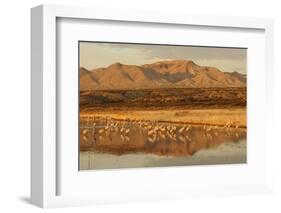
x=15 y=103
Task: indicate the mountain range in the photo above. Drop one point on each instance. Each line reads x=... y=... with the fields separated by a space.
x=161 y=74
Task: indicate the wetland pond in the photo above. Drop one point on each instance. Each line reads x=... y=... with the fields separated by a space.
x=112 y=144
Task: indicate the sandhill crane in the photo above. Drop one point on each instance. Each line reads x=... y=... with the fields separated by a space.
x=127 y=138
x=85 y=138
x=163 y=136
x=122 y=129
x=101 y=131
x=168 y=127
x=172 y=129
x=187 y=138
x=162 y=128
x=127 y=131
x=85 y=131
x=182 y=139
x=87 y=120
x=156 y=128
x=209 y=128
x=151 y=139
x=150 y=132
x=227 y=125
x=187 y=128
x=106 y=128
x=172 y=136
x=149 y=126
x=181 y=129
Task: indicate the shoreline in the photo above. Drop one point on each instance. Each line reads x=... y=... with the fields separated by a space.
x=233 y=117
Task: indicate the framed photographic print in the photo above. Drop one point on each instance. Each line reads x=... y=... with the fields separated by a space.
x=148 y=105
x=159 y=107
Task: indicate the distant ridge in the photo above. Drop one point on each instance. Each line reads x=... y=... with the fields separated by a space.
x=161 y=74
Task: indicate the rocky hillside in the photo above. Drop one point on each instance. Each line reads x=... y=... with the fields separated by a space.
x=162 y=74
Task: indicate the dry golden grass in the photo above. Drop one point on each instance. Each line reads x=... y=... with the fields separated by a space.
x=221 y=117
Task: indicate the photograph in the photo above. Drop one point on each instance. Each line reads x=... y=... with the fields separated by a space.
x=161 y=105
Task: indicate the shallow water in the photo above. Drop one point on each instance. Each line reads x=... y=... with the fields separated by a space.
x=133 y=145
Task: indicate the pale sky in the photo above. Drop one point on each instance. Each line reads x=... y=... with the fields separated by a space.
x=96 y=55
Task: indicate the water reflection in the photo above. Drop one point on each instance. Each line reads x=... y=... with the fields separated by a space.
x=159 y=138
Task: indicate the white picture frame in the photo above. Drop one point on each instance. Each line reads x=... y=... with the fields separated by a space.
x=45 y=169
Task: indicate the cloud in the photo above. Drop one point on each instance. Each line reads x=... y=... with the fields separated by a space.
x=178 y=52
x=104 y=54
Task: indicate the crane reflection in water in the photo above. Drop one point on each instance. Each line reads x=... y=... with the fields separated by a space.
x=120 y=137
